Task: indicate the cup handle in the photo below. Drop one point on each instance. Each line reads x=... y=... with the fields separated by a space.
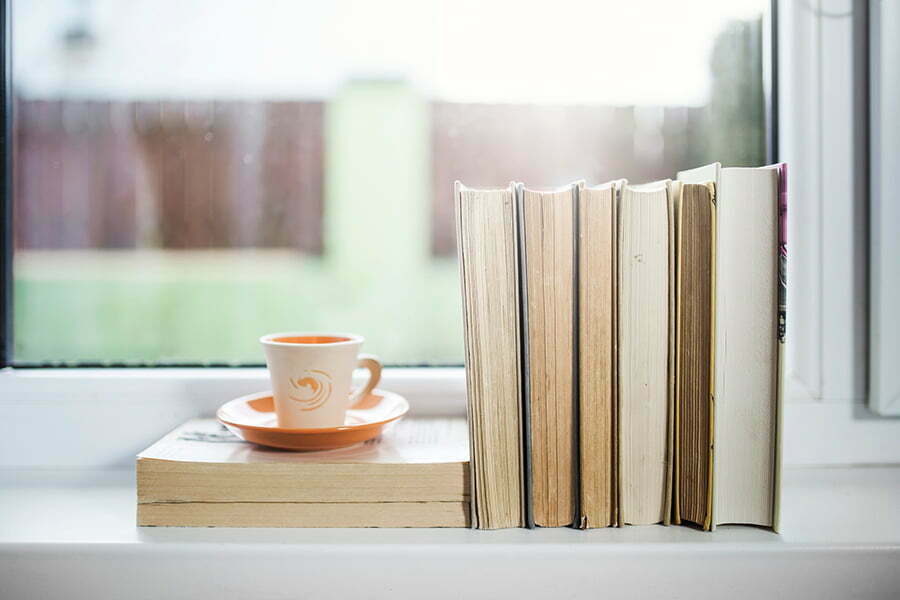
x=370 y=362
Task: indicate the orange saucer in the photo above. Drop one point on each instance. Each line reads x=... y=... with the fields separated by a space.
x=252 y=418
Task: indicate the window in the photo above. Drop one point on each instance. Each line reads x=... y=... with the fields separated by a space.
x=190 y=174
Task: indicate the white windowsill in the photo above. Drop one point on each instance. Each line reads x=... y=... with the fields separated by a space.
x=101 y=418
x=67 y=511
x=72 y=535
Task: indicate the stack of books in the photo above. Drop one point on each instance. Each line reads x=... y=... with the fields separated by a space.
x=414 y=475
x=624 y=348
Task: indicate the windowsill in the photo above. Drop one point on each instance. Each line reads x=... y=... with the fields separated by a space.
x=67 y=511
x=72 y=533
x=101 y=418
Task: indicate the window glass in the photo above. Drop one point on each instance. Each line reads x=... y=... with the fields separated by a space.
x=191 y=174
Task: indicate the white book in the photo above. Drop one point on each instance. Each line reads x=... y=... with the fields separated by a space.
x=643 y=314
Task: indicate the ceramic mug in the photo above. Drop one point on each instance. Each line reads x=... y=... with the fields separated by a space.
x=311 y=376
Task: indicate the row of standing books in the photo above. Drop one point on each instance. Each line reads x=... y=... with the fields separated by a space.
x=623 y=350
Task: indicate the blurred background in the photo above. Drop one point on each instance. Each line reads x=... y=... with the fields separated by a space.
x=192 y=174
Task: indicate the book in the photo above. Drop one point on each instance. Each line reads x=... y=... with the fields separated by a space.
x=782 y=170
x=299 y=514
x=695 y=277
x=548 y=275
x=597 y=258
x=488 y=249
x=413 y=475
x=644 y=457
x=746 y=385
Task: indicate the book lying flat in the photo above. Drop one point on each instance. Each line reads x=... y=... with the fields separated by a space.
x=643 y=354
x=548 y=273
x=202 y=475
x=746 y=379
x=488 y=248
x=597 y=257
x=298 y=514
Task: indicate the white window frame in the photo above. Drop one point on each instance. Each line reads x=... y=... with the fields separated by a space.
x=85 y=418
x=884 y=218
x=100 y=418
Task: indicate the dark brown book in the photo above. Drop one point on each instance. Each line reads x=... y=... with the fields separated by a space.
x=694 y=353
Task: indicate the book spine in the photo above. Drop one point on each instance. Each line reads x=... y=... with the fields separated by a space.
x=782 y=332
x=617 y=408
x=578 y=520
x=525 y=372
x=473 y=491
x=672 y=201
x=675 y=309
x=709 y=524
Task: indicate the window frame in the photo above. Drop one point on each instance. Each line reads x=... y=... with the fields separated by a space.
x=7 y=324
x=884 y=226
x=6 y=204
x=98 y=418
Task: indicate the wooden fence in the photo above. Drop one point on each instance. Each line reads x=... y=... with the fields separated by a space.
x=91 y=174
x=94 y=174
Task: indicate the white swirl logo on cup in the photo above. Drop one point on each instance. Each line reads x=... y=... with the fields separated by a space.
x=312 y=390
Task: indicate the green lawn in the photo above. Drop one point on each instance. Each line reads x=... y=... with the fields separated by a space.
x=212 y=306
